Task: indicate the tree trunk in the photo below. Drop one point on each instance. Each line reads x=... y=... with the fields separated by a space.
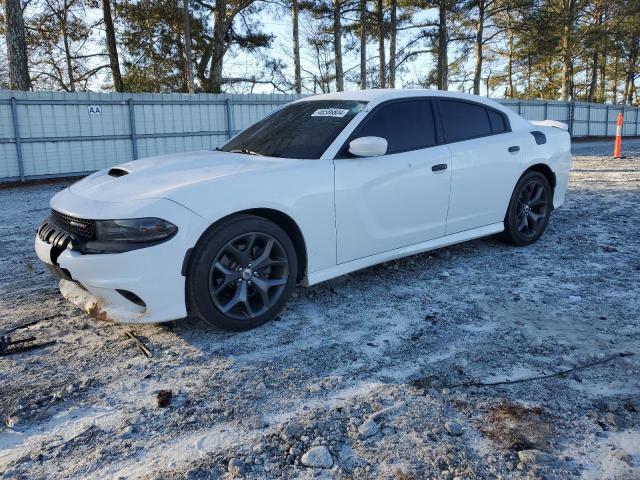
x=593 y=84
x=529 y=74
x=363 y=44
x=297 y=82
x=602 y=87
x=188 y=56
x=616 y=64
x=392 y=43
x=567 y=61
x=632 y=61
x=201 y=68
x=478 y=47
x=177 y=28
x=337 y=45
x=67 y=50
x=566 y=75
x=112 y=48
x=218 y=50
x=16 y=46
x=627 y=90
x=591 y=95
x=510 y=64
x=487 y=84
x=381 y=60
x=443 y=61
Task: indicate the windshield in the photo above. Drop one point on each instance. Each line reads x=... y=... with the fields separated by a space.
x=299 y=130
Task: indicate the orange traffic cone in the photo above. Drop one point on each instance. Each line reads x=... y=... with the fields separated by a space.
x=618 y=144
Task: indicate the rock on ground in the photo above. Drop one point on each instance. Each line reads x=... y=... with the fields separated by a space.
x=318 y=457
x=369 y=428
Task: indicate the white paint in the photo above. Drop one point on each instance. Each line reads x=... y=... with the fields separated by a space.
x=550 y=123
x=352 y=213
x=341 y=269
x=368 y=146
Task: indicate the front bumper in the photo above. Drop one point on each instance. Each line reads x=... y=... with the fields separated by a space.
x=92 y=281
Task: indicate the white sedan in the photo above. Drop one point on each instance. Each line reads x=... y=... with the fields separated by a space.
x=324 y=186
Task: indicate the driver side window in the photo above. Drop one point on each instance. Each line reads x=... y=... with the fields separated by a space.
x=406 y=125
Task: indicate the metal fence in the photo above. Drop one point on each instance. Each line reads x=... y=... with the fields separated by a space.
x=584 y=119
x=54 y=134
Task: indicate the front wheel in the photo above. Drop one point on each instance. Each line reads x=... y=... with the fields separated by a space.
x=529 y=209
x=241 y=273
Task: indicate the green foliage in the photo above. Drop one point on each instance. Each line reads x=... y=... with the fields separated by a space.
x=547 y=49
x=153 y=49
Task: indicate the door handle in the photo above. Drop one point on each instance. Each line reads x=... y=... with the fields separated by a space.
x=515 y=148
x=438 y=167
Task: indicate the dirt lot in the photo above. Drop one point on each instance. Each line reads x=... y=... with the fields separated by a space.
x=372 y=375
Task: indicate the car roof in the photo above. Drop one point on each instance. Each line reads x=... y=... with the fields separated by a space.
x=379 y=95
x=382 y=94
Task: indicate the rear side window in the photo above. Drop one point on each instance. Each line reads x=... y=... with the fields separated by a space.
x=497 y=121
x=463 y=120
x=406 y=125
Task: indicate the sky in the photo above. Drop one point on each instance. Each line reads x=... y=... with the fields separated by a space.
x=280 y=27
x=241 y=63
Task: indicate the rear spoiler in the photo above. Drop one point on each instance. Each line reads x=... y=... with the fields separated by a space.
x=550 y=123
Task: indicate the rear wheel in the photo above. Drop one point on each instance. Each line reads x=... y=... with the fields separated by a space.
x=241 y=273
x=529 y=209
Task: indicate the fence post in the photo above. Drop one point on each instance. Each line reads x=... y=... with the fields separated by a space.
x=229 y=111
x=546 y=109
x=588 y=120
x=606 y=122
x=16 y=132
x=132 y=127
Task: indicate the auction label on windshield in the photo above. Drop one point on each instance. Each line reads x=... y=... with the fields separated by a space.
x=330 y=112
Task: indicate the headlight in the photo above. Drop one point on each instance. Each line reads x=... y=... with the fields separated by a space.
x=136 y=230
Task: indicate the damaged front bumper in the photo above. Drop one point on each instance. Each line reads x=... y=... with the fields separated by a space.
x=145 y=285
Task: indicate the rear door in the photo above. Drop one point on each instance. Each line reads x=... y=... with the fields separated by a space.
x=486 y=162
x=397 y=199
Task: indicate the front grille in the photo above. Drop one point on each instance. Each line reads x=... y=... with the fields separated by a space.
x=50 y=233
x=77 y=226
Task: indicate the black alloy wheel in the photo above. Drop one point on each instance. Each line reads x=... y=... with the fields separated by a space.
x=249 y=275
x=241 y=273
x=529 y=210
x=532 y=208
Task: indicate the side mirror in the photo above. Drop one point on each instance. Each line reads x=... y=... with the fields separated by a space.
x=368 y=146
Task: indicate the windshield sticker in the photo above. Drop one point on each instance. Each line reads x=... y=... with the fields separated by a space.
x=330 y=112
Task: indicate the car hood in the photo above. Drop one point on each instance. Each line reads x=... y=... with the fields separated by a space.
x=157 y=177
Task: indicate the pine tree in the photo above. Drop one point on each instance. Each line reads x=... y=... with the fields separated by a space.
x=18 y=68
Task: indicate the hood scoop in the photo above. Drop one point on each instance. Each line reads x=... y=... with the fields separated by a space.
x=118 y=172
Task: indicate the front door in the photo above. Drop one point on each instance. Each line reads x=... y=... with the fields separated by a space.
x=397 y=199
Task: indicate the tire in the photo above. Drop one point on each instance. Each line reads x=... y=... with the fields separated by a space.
x=529 y=210
x=241 y=273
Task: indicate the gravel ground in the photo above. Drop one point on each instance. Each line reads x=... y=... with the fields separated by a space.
x=378 y=374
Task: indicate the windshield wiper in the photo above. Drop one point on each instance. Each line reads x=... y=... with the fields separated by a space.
x=246 y=151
